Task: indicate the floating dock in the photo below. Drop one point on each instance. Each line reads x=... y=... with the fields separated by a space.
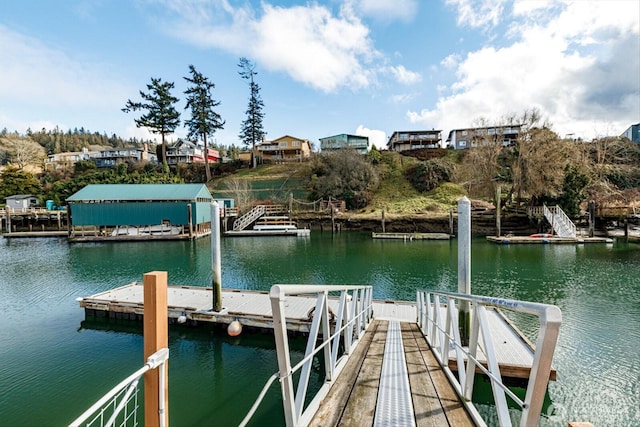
x=22 y=234
x=193 y=305
x=516 y=240
x=411 y=236
x=299 y=232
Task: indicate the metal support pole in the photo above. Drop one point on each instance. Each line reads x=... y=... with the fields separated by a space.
x=155 y=329
x=216 y=269
x=464 y=266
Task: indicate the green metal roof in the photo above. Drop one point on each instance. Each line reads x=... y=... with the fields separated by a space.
x=140 y=192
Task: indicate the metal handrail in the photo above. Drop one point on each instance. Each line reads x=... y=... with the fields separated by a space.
x=440 y=333
x=353 y=316
x=128 y=386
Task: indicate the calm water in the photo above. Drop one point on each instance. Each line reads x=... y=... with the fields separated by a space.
x=53 y=364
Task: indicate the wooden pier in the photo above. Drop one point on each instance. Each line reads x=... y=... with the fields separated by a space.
x=193 y=305
x=365 y=393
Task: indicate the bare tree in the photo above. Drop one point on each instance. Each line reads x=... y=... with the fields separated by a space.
x=241 y=192
x=22 y=151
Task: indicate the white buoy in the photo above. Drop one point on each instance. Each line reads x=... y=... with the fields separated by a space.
x=234 y=329
x=182 y=318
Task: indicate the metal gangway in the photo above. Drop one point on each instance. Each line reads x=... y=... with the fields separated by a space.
x=340 y=333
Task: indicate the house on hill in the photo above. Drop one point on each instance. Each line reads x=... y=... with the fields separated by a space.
x=188 y=152
x=345 y=141
x=460 y=139
x=284 y=149
x=414 y=139
x=139 y=212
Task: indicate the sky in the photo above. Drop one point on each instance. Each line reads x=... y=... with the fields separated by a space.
x=364 y=67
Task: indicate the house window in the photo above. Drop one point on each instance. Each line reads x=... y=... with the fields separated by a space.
x=462 y=143
x=296 y=143
x=282 y=144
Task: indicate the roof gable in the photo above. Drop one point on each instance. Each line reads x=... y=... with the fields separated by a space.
x=141 y=192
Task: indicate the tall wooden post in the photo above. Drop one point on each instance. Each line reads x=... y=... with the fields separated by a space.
x=383 y=227
x=8 y=209
x=452 y=232
x=155 y=330
x=216 y=269
x=189 y=212
x=592 y=218
x=464 y=266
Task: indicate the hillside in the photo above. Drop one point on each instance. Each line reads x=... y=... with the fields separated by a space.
x=396 y=195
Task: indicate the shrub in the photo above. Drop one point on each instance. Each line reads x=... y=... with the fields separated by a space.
x=427 y=175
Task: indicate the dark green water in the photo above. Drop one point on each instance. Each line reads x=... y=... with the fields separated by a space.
x=53 y=364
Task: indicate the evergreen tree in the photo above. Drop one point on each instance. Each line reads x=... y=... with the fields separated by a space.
x=204 y=120
x=251 y=129
x=161 y=115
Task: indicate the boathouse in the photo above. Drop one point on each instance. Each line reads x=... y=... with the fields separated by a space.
x=139 y=212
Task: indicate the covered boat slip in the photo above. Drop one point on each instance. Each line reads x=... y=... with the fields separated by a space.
x=253 y=309
x=140 y=211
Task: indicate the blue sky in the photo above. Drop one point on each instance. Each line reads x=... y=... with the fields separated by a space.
x=367 y=67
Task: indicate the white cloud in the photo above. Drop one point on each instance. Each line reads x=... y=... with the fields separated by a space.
x=451 y=61
x=308 y=43
x=402 y=98
x=38 y=74
x=46 y=83
x=377 y=138
x=580 y=67
x=405 y=76
x=478 y=13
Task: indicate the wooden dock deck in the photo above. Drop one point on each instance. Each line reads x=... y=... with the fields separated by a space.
x=253 y=310
x=369 y=393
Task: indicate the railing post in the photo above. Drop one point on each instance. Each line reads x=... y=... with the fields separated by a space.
x=464 y=266
x=282 y=350
x=155 y=327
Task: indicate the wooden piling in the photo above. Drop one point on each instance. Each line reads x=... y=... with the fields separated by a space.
x=498 y=200
x=216 y=258
x=383 y=227
x=155 y=330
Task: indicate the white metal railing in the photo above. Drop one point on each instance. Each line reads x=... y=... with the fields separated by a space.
x=246 y=219
x=120 y=405
x=442 y=332
x=559 y=221
x=351 y=319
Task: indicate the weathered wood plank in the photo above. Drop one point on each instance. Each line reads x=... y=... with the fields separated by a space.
x=426 y=405
x=454 y=410
x=361 y=408
x=334 y=403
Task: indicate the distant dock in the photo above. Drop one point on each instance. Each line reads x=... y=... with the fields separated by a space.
x=411 y=236
x=516 y=240
x=193 y=304
x=299 y=232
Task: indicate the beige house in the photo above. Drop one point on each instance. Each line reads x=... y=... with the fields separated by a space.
x=284 y=149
